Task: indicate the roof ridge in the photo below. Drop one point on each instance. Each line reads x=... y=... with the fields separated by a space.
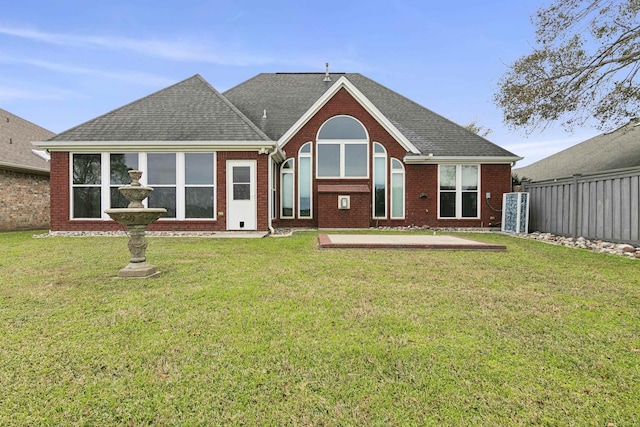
x=55 y=137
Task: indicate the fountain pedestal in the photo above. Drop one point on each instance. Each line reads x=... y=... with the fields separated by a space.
x=136 y=218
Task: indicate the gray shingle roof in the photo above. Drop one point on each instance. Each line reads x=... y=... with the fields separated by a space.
x=614 y=150
x=16 y=135
x=287 y=96
x=191 y=110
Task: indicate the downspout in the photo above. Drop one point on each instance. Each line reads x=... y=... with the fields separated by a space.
x=270 y=204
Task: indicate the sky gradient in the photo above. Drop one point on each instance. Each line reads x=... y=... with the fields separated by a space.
x=66 y=62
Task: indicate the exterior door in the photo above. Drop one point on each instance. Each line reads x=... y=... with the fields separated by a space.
x=241 y=194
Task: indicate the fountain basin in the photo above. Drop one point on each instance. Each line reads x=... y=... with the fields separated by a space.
x=135 y=195
x=135 y=216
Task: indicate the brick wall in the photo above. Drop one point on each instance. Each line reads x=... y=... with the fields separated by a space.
x=421 y=191
x=24 y=201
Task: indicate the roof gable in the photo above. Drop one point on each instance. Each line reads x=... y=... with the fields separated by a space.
x=191 y=110
x=16 y=135
x=290 y=99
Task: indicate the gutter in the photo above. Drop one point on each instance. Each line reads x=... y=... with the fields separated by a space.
x=22 y=168
x=431 y=159
x=156 y=146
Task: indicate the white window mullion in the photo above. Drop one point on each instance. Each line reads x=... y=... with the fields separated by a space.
x=180 y=182
x=105 y=183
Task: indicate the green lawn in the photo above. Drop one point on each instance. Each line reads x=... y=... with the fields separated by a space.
x=278 y=332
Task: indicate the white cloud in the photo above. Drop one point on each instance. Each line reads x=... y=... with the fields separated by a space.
x=181 y=51
x=127 y=76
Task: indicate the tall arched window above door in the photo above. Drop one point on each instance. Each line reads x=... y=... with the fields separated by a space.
x=379 y=181
x=397 y=189
x=342 y=149
x=286 y=189
x=305 y=202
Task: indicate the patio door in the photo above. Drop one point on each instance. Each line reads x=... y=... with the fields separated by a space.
x=241 y=194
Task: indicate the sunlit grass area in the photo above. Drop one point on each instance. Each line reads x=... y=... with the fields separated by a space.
x=275 y=331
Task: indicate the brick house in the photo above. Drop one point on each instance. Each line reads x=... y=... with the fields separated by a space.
x=24 y=175
x=279 y=150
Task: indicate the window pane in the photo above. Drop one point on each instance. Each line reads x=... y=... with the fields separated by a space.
x=447 y=177
x=396 y=165
x=342 y=127
x=306 y=148
x=378 y=148
x=86 y=202
x=161 y=168
x=241 y=174
x=469 y=178
x=397 y=195
x=379 y=184
x=86 y=168
x=198 y=168
x=117 y=199
x=447 y=205
x=305 y=186
x=287 y=194
x=355 y=160
x=199 y=202
x=241 y=191
x=164 y=197
x=470 y=205
x=329 y=160
x=120 y=165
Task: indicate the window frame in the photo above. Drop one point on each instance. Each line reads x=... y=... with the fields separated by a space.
x=402 y=172
x=291 y=171
x=100 y=185
x=459 y=191
x=305 y=155
x=105 y=185
x=342 y=143
x=384 y=157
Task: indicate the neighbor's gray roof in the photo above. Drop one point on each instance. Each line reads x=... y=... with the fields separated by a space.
x=16 y=136
x=287 y=96
x=191 y=110
x=614 y=150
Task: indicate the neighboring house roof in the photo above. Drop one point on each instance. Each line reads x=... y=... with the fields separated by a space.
x=613 y=150
x=287 y=96
x=191 y=110
x=16 y=150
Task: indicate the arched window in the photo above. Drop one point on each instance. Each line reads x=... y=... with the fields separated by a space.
x=305 y=202
x=343 y=146
x=286 y=189
x=379 y=181
x=397 y=189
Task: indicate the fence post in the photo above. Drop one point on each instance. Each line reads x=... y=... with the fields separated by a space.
x=574 y=205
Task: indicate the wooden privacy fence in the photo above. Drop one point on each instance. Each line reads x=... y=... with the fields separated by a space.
x=602 y=206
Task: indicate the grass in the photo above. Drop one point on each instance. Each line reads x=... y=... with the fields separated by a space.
x=278 y=332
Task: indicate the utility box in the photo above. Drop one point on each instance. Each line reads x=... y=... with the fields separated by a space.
x=515 y=213
x=344 y=202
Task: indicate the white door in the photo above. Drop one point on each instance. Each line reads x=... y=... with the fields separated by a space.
x=241 y=194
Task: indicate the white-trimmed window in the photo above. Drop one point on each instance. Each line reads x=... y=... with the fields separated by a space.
x=161 y=175
x=379 y=181
x=286 y=189
x=199 y=189
x=86 y=186
x=458 y=187
x=397 y=189
x=305 y=202
x=183 y=183
x=342 y=149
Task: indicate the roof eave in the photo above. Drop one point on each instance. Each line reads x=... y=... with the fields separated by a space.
x=156 y=146
x=430 y=159
x=22 y=168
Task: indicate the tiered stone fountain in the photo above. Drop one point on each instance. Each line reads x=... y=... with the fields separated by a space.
x=136 y=217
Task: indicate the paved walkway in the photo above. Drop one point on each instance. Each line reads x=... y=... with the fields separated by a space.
x=402 y=241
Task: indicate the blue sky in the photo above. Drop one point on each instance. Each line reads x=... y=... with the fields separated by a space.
x=66 y=62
